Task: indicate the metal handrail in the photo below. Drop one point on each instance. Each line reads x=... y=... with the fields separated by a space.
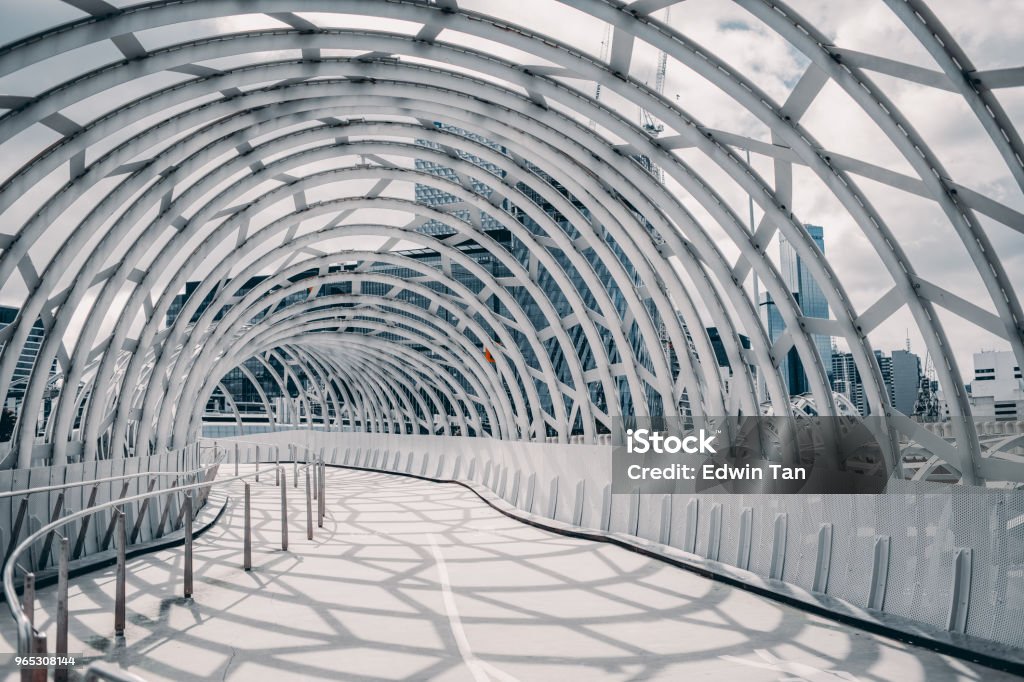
x=108 y=479
x=30 y=641
x=95 y=484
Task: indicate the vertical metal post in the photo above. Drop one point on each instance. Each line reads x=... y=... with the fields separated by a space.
x=323 y=498
x=960 y=595
x=236 y=459
x=778 y=564
x=284 y=510
x=188 y=544
x=247 y=538
x=879 y=573
x=692 y=517
x=320 y=492
x=122 y=545
x=61 y=674
x=28 y=598
x=746 y=529
x=309 y=507
x=665 y=532
x=714 y=532
x=277 y=466
x=316 y=482
x=295 y=466
x=257 y=463
x=823 y=560
x=39 y=649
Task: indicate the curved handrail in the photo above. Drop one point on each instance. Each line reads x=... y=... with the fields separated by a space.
x=25 y=494
x=108 y=479
x=22 y=623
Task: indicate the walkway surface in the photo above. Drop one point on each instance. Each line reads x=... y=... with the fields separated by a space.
x=416 y=580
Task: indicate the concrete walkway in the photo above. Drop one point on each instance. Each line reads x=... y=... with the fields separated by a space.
x=416 y=580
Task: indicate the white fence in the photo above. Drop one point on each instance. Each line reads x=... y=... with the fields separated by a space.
x=948 y=557
x=41 y=508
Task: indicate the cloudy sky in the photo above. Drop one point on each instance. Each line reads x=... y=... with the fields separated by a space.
x=990 y=32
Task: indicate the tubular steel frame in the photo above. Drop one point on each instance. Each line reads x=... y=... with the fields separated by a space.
x=383 y=363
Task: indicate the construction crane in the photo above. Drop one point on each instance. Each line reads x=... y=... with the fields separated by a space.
x=647 y=121
x=606 y=48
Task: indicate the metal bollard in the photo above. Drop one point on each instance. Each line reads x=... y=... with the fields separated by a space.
x=28 y=598
x=247 y=538
x=284 y=512
x=316 y=482
x=277 y=466
x=236 y=459
x=295 y=468
x=309 y=508
x=257 y=463
x=61 y=674
x=188 y=544
x=122 y=547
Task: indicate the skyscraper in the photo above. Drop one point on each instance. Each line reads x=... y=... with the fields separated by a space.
x=901 y=376
x=812 y=302
x=846 y=380
x=885 y=368
x=906 y=381
x=791 y=368
x=810 y=296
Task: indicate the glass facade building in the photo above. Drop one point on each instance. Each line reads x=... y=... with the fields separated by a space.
x=907 y=379
x=811 y=299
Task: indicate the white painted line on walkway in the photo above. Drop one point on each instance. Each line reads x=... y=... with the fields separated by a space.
x=482 y=670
